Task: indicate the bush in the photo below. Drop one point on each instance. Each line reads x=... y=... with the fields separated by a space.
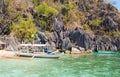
x=10 y=9
x=45 y=9
x=42 y=22
x=24 y=29
x=67 y=7
x=45 y=24
x=1 y=20
x=86 y=27
x=96 y=22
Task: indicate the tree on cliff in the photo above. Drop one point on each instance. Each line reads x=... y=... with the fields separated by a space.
x=24 y=29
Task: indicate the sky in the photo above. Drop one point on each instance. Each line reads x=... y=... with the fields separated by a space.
x=117 y=3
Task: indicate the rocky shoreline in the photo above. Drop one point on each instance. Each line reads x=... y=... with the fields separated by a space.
x=61 y=37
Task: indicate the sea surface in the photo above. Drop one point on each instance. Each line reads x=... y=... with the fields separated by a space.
x=66 y=66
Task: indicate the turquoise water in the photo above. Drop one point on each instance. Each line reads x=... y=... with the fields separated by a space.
x=66 y=66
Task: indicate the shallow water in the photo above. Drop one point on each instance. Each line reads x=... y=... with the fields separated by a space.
x=66 y=66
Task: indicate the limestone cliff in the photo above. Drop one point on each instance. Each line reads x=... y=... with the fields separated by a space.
x=65 y=23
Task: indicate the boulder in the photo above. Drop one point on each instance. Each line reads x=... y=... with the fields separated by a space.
x=75 y=50
x=79 y=48
x=42 y=37
x=81 y=38
x=66 y=45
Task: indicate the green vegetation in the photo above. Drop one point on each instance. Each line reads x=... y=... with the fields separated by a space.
x=9 y=9
x=46 y=12
x=45 y=9
x=49 y=34
x=16 y=15
x=43 y=22
x=7 y=1
x=1 y=20
x=113 y=34
x=35 y=2
x=86 y=27
x=96 y=22
x=24 y=29
x=119 y=20
x=68 y=7
x=71 y=15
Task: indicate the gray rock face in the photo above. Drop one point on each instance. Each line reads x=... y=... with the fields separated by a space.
x=103 y=43
x=58 y=28
x=81 y=38
x=66 y=45
x=4 y=21
x=41 y=37
x=118 y=43
x=4 y=26
x=57 y=24
x=2 y=6
x=111 y=24
x=63 y=38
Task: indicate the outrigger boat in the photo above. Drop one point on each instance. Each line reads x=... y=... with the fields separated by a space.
x=105 y=52
x=36 y=51
x=34 y=55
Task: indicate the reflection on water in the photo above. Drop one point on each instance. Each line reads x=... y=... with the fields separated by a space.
x=67 y=66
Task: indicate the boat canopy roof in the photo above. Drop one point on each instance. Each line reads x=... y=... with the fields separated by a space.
x=34 y=45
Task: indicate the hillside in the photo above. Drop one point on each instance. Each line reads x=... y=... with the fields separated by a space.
x=62 y=23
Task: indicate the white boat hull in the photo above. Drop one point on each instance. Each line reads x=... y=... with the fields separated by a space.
x=41 y=55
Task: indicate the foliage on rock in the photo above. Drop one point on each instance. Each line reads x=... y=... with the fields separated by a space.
x=96 y=22
x=71 y=15
x=45 y=9
x=24 y=29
